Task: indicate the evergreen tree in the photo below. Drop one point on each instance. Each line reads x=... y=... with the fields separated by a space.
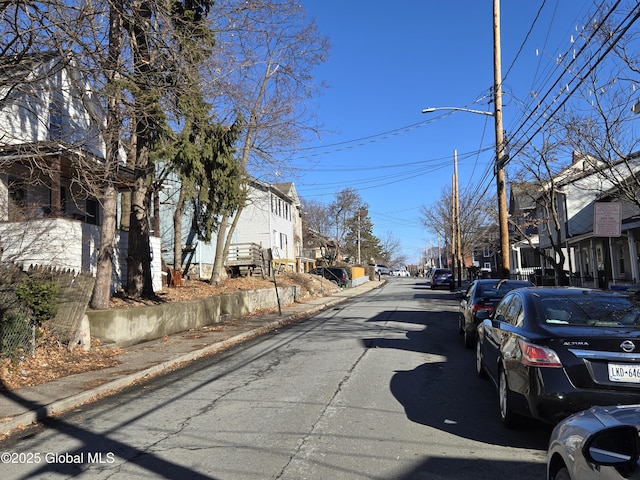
x=369 y=243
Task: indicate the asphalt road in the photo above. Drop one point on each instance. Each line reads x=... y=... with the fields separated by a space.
x=379 y=387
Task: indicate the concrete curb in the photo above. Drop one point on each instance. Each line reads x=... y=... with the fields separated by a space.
x=112 y=387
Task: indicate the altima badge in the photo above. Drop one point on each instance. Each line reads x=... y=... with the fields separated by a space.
x=628 y=346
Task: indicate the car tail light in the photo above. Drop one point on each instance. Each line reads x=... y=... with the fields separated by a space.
x=537 y=356
x=480 y=307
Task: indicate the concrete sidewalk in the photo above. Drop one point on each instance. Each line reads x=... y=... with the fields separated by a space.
x=19 y=408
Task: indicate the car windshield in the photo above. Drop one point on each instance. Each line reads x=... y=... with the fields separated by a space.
x=497 y=290
x=590 y=311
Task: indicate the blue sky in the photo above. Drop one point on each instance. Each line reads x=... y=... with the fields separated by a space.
x=388 y=61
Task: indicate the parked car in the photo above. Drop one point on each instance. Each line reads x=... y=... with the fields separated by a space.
x=442 y=277
x=381 y=269
x=337 y=275
x=554 y=351
x=399 y=273
x=482 y=295
x=598 y=443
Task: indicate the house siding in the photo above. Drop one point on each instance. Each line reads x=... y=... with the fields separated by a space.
x=268 y=219
x=69 y=245
x=47 y=106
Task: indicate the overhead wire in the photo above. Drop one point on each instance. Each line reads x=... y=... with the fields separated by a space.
x=590 y=65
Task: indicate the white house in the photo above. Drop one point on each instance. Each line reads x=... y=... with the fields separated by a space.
x=597 y=257
x=271 y=219
x=51 y=159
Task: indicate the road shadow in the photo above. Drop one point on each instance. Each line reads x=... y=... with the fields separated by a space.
x=447 y=394
x=463 y=468
x=93 y=446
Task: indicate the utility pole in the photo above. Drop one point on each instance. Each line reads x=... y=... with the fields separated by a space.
x=359 y=261
x=454 y=246
x=456 y=206
x=505 y=268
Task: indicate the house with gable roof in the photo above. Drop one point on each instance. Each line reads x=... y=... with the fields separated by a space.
x=270 y=222
x=595 y=259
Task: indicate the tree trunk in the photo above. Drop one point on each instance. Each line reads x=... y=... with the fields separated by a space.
x=219 y=273
x=177 y=231
x=104 y=267
x=102 y=286
x=139 y=259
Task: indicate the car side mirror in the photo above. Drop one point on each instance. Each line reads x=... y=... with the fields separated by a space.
x=497 y=320
x=615 y=446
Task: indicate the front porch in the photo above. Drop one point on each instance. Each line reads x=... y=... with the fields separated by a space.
x=69 y=244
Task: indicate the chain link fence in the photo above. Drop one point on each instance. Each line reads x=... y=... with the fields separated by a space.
x=17 y=328
x=52 y=304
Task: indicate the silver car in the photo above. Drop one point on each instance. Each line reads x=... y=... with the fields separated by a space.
x=598 y=443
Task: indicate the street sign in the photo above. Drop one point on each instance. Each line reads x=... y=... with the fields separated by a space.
x=607 y=219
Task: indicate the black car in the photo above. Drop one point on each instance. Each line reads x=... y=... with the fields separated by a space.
x=595 y=444
x=555 y=351
x=337 y=275
x=482 y=296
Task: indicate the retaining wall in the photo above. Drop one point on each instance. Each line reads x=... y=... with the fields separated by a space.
x=124 y=327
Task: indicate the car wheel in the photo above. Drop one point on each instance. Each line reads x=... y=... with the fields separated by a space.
x=469 y=339
x=562 y=474
x=480 y=360
x=509 y=419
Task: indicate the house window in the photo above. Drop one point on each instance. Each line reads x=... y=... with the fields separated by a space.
x=487 y=265
x=486 y=253
x=91 y=206
x=621 y=261
x=283 y=241
x=55 y=122
x=17 y=200
x=63 y=199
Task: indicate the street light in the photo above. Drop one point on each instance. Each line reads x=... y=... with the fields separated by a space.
x=500 y=160
x=480 y=112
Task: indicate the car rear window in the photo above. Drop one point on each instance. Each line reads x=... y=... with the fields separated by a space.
x=495 y=291
x=590 y=311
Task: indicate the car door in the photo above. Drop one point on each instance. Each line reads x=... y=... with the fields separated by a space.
x=465 y=305
x=493 y=337
x=510 y=346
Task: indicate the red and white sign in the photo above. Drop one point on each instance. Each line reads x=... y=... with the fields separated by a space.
x=607 y=219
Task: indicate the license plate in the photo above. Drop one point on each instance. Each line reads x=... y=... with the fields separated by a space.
x=624 y=373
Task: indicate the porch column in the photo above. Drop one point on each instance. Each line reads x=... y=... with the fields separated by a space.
x=633 y=257
x=594 y=264
x=55 y=200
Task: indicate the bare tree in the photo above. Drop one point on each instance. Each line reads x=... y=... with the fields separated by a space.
x=265 y=55
x=390 y=249
x=341 y=210
x=540 y=180
x=476 y=213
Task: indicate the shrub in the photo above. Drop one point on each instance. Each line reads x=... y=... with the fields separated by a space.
x=40 y=298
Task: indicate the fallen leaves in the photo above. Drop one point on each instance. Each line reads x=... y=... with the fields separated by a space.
x=53 y=360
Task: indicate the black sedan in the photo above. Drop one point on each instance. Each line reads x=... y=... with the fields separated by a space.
x=482 y=296
x=598 y=443
x=552 y=352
